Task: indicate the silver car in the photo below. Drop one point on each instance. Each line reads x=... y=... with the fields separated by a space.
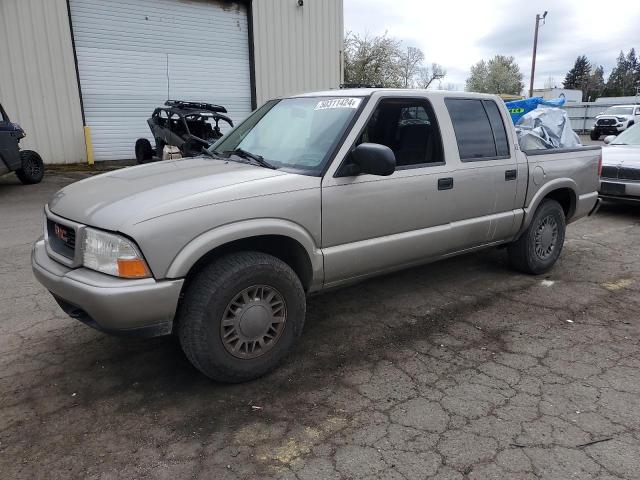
x=621 y=166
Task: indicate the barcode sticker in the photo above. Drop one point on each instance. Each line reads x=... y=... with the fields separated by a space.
x=345 y=102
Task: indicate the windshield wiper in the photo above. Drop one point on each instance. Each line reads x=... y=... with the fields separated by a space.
x=251 y=156
x=212 y=155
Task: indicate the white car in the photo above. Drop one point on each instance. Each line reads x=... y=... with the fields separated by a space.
x=620 y=179
x=615 y=119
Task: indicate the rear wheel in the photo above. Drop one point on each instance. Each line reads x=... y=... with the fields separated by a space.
x=539 y=247
x=594 y=135
x=240 y=316
x=144 y=151
x=32 y=167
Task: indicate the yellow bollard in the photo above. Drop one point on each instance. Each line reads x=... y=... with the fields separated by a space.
x=88 y=144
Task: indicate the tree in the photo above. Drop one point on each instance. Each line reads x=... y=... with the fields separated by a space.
x=410 y=61
x=550 y=82
x=428 y=75
x=583 y=76
x=372 y=60
x=501 y=74
x=596 y=84
x=625 y=76
x=382 y=61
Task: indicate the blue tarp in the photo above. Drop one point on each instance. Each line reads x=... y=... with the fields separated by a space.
x=518 y=108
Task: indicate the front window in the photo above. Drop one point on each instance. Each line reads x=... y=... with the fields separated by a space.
x=630 y=136
x=294 y=133
x=618 y=111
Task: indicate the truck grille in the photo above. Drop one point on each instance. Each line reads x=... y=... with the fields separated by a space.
x=609 y=172
x=629 y=173
x=606 y=122
x=62 y=239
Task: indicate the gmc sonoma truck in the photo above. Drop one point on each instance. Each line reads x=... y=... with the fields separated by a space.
x=308 y=193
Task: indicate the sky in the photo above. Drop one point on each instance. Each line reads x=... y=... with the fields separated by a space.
x=457 y=34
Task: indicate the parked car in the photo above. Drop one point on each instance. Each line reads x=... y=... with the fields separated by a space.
x=27 y=164
x=621 y=166
x=310 y=192
x=189 y=126
x=615 y=120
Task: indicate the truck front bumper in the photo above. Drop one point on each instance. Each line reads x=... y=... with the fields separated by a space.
x=113 y=305
x=617 y=189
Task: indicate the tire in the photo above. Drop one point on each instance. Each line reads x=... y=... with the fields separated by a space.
x=144 y=152
x=594 y=135
x=217 y=292
x=31 y=167
x=538 y=248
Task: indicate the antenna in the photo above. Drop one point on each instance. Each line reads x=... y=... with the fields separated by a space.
x=168 y=80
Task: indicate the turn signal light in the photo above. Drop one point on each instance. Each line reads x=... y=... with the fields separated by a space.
x=133 y=268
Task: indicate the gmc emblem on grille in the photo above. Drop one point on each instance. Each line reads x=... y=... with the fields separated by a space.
x=60 y=233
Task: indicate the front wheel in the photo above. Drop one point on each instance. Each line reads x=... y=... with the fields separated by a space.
x=240 y=316
x=594 y=135
x=31 y=169
x=539 y=247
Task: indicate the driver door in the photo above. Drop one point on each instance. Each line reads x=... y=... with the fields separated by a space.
x=372 y=224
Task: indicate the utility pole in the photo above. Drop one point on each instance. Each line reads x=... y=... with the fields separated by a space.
x=535 y=47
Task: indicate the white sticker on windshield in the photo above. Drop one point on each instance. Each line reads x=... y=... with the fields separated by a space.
x=345 y=102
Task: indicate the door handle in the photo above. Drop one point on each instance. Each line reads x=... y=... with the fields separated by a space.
x=445 y=183
x=510 y=175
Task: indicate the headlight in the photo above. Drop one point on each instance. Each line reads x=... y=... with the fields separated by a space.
x=621 y=119
x=113 y=255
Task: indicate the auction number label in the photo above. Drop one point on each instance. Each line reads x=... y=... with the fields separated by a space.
x=346 y=102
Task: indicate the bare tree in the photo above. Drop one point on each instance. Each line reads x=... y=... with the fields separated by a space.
x=372 y=60
x=452 y=87
x=410 y=62
x=382 y=61
x=428 y=75
x=550 y=82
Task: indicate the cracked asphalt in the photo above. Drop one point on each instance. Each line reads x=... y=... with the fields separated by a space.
x=462 y=369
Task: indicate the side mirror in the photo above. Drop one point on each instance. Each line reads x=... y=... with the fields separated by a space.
x=609 y=138
x=374 y=159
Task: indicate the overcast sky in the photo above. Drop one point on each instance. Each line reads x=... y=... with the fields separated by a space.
x=457 y=33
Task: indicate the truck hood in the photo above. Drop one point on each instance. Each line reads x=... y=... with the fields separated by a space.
x=122 y=198
x=618 y=155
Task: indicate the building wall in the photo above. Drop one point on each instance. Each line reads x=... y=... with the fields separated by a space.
x=38 y=85
x=297 y=48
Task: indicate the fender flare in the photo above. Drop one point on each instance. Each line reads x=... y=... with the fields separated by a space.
x=545 y=190
x=211 y=239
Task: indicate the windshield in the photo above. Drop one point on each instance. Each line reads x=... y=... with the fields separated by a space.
x=631 y=136
x=294 y=133
x=618 y=111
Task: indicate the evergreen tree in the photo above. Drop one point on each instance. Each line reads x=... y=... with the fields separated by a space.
x=625 y=76
x=579 y=77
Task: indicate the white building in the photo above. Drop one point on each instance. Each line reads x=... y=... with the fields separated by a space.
x=570 y=96
x=106 y=64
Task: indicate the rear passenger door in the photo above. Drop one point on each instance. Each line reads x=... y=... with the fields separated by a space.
x=485 y=182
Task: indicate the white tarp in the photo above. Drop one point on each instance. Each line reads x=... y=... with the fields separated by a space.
x=546 y=127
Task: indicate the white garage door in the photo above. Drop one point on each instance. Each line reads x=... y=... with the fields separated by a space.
x=135 y=54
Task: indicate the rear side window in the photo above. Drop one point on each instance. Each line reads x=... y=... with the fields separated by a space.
x=497 y=125
x=479 y=129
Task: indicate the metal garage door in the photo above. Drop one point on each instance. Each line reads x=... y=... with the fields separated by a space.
x=134 y=54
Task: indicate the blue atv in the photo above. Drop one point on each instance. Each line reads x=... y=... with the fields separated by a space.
x=27 y=164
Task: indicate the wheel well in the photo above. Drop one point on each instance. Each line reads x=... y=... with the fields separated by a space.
x=285 y=248
x=566 y=198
